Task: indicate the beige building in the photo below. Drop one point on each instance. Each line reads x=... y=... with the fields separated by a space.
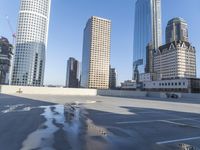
x=96 y=53
x=175 y=60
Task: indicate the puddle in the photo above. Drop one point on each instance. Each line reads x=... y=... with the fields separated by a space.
x=57 y=117
x=16 y=108
x=43 y=137
x=187 y=147
x=79 y=131
x=73 y=125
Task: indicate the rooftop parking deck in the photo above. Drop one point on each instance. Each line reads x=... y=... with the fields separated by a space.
x=59 y=122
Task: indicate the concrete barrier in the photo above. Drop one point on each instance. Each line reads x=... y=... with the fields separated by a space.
x=5 y=89
x=191 y=95
x=121 y=93
x=10 y=90
x=163 y=94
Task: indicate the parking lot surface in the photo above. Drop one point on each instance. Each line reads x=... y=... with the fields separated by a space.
x=55 y=122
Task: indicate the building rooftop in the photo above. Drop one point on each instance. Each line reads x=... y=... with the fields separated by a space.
x=101 y=18
x=69 y=122
x=177 y=20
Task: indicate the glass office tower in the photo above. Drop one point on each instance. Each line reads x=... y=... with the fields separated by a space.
x=147 y=29
x=73 y=73
x=31 y=43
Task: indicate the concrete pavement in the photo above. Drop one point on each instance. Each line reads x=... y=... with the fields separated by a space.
x=58 y=122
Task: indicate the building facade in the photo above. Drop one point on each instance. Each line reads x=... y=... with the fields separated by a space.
x=149 y=58
x=186 y=85
x=147 y=29
x=113 y=78
x=175 y=60
x=31 y=43
x=73 y=75
x=129 y=85
x=96 y=53
x=177 y=29
x=5 y=60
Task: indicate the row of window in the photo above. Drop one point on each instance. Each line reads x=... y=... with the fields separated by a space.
x=170 y=84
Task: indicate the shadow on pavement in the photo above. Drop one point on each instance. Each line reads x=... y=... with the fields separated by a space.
x=17 y=120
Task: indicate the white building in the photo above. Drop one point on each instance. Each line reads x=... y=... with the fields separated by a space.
x=96 y=53
x=173 y=85
x=175 y=60
x=129 y=85
x=31 y=43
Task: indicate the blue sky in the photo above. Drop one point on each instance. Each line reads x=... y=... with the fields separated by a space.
x=68 y=19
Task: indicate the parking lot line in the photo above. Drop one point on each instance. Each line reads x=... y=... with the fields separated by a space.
x=151 y=121
x=178 y=140
x=175 y=123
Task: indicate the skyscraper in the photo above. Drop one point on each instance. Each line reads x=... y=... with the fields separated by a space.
x=177 y=29
x=73 y=75
x=5 y=60
x=147 y=29
x=113 y=78
x=96 y=53
x=177 y=58
x=31 y=43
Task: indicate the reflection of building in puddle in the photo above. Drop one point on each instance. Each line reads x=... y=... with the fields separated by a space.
x=95 y=138
x=73 y=125
x=187 y=147
x=57 y=117
x=43 y=137
x=108 y=137
x=94 y=130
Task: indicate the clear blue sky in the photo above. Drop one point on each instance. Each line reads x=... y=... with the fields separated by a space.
x=68 y=19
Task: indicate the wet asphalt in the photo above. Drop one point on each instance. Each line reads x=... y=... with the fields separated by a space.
x=44 y=122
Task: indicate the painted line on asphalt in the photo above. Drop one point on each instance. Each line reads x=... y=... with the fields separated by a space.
x=181 y=124
x=151 y=121
x=178 y=140
x=175 y=123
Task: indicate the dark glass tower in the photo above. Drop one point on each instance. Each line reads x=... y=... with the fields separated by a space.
x=5 y=60
x=73 y=73
x=147 y=30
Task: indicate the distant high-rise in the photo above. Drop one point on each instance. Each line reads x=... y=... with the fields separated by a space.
x=177 y=29
x=149 y=58
x=96 y=53
x=177 y=58
x=5 y=60
x=31 y=43
x=73 y=75
x=113 y=78
x=147 y=29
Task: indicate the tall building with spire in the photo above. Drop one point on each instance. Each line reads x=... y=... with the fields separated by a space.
x=147 y=30
x=31 y=43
